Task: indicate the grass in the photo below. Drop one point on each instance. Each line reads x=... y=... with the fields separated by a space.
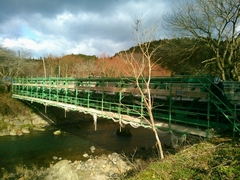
x=214 y=159
x=24 y=173
x=10 y=108
x=3 y=125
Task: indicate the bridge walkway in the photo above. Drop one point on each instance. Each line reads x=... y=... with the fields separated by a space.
x=181 y=103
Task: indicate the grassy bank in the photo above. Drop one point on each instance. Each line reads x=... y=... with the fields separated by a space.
x=10 y=108
x=214 y=159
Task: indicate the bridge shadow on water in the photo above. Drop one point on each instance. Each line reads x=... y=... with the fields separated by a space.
x=105 y=136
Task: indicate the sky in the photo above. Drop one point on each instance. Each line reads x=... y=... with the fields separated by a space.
x=91 y=27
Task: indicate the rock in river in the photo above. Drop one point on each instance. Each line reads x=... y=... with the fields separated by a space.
x=58 y=132
x=62 y=170
x=25 y=130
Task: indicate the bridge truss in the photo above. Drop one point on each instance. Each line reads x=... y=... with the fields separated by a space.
x=182 y=103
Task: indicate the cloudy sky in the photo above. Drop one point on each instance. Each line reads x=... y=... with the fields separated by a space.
x=60 y=27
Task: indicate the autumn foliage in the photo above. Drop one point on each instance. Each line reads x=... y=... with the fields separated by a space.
x=85 y=66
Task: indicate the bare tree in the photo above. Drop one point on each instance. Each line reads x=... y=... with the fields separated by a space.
x=85 y=68
x=140 y=62
x=101 y=66
x=13 y=64
x=217 y=24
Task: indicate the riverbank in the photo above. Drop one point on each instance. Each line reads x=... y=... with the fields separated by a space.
x=20 y=125
x=21 y=117
x=213 y=159
x=16 y=119
x=112 y=166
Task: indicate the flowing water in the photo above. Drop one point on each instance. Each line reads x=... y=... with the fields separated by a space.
x=39 y=148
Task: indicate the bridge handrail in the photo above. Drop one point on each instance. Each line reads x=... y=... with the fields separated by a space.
x=110 y=94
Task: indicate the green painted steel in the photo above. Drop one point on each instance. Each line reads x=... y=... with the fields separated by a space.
x=184 y=100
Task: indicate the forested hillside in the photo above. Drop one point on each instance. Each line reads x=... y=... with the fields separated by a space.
x=184 y=56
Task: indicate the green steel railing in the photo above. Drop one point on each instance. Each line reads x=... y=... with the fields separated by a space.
x=185 y=100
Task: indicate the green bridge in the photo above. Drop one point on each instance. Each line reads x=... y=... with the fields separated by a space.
x=181 y=103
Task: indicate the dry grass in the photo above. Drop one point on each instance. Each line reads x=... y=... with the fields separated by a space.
x=12 y=107
x=215 y=159
x=23 y=172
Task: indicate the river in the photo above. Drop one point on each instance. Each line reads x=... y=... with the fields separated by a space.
x=38 y=148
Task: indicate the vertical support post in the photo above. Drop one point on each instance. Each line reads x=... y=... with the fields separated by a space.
x=76 y=94
x=17 y=87
x=36 y=93
x=142 y=103
x=31 y=93
x=119 y=105
x=234 y=120
x=208 y=114
x=57 y=86
x=88 y=96
x=95 y=121
x=12 y=90
x=23 y=86
x=217 y=120
x=120 y=100
x=43 y=88
x=26 y=84
x=66 y=90
x=44 y=68
x=170 y=106
x=103 y=85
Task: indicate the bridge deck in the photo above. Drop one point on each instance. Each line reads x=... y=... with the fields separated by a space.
x=183 y=104
x=125 y=119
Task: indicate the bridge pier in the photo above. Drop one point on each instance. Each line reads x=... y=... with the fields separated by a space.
x=65 y=112
x=45 y=108
x=124 y=131
x=95 y=121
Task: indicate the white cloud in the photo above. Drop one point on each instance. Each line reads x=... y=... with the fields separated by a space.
x=74 y=26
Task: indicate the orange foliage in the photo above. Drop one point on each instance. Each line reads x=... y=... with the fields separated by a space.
x=73 y=66
x=121 y=68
